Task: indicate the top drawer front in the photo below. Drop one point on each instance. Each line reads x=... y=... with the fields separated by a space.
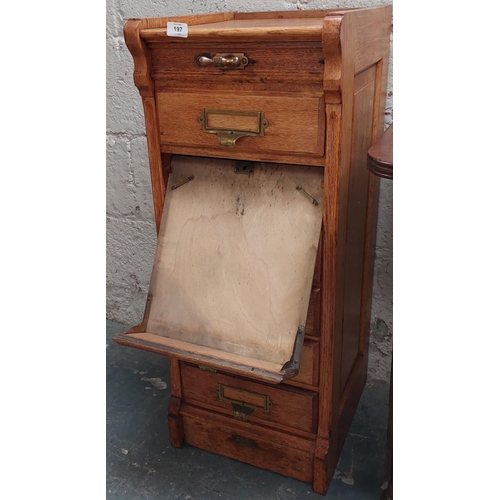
x=279 y=63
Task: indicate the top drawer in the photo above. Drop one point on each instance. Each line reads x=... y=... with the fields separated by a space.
x=272 y=66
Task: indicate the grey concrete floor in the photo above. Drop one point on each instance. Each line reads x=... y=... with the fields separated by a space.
x=141 y=463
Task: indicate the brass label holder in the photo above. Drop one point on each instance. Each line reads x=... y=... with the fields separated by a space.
x=228 y=136
x=241 y=409
x=207 y=368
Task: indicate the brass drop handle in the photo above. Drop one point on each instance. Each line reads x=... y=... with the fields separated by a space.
x=225 y=61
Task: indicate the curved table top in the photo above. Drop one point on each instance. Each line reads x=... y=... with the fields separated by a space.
x=380 y=156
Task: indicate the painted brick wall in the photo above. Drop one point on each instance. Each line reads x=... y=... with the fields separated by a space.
x=131 y=236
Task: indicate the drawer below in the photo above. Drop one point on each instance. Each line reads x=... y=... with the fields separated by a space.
x=250 y=401
x=309 y=364
x=284 y=124
x=313 y=319
x=278 y=452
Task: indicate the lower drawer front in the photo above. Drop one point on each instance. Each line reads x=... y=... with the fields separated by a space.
x=264 y=448
x=291 y=124
x=250 y=401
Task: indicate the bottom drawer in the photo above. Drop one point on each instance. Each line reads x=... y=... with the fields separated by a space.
x=282 y=453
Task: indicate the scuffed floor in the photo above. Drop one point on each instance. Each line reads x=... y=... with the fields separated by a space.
x=141 y=464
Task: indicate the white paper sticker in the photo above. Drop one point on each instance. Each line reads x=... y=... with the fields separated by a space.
x=177 y=29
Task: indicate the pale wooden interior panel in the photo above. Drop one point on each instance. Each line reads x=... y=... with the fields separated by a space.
x=235 y=257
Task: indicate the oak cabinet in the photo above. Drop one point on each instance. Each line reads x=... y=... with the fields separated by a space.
x=258 y=126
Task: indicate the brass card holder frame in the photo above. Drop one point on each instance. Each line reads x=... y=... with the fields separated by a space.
x=228 y=136
x=241 y=409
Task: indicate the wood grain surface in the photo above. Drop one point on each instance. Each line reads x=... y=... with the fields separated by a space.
x=235 y=257
x=290 y=407
x=260 y=446
x=296 y=124
x=246 y=29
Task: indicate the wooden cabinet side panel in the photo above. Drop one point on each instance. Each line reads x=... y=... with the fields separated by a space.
x=364 y=85
x=355 y=382
x=353 y=42
x=371 y=35
x=373 y=200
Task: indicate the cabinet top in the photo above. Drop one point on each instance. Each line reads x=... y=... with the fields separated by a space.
x=350 y=40
x=289 y=25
